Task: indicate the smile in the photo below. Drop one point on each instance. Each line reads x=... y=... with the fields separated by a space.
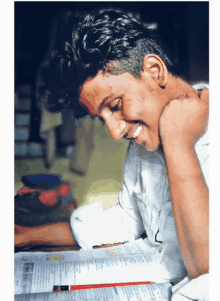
x=137 y=132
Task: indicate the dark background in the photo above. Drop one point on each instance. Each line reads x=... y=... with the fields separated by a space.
x=183 y=25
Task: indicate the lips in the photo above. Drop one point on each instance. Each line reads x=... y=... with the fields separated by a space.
x=135 y=135
x=137 y=132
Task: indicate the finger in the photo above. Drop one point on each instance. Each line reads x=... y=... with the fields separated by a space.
x=180 y=97
x=204 y=95
x=16 y=228
x=192 y=94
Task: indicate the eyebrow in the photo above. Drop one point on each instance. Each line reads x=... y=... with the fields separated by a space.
x=104 y=101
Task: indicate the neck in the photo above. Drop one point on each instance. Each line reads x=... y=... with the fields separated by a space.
x=178 y=88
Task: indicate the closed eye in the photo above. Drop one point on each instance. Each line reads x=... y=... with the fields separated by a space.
x=115 y=108
x=116 y=105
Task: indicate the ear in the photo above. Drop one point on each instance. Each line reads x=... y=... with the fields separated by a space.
x=154 y=66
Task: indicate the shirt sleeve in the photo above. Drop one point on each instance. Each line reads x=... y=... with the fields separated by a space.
x=202 y=150
x=196 y=289
x=93 y=226
x=205 y=170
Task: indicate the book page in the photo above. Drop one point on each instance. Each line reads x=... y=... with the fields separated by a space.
x=137 y=247
x=159 y=292
x=131 y=262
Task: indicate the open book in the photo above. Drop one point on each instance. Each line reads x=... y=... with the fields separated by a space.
x=36 y=274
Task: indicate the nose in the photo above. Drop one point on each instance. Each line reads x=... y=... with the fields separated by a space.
x=115 y=128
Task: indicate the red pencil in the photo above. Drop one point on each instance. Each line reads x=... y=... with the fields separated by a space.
x=59 y=288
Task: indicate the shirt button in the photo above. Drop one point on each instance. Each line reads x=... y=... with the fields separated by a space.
x=160 y=250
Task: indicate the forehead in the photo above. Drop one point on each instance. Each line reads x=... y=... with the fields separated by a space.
x=94 y=91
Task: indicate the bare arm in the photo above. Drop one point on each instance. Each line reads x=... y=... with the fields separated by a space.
x=189 y=196
x=184 y=121
x=51 y=235
x=58 y=234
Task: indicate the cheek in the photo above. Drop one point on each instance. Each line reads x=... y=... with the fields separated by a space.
x=134 y=109
x=140 y=111
x=132 y=113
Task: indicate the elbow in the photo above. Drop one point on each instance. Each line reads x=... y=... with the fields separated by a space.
x=200 y=259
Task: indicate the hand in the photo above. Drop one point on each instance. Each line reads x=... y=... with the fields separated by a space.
x=21 y=238
x=185 y=119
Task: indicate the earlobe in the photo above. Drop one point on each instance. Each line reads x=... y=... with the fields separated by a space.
x=154 y=66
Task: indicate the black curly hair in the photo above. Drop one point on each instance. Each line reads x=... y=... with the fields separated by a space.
x=85 y=45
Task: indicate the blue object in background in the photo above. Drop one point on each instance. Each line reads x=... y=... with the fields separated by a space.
x=68 y=199
x=42 y=181
x=21 y=149
x=35 y=149
x=21 y=134
x=22 y=119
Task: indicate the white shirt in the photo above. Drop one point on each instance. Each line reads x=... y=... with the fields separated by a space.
x=143 y=205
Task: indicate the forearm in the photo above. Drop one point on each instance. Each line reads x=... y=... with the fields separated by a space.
x=58 y=234
x=189 y=196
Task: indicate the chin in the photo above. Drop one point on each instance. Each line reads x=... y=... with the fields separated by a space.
x=151 y=149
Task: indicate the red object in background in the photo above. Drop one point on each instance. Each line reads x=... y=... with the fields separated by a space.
x=65 y=189
x=48 y=197
x=25 y=190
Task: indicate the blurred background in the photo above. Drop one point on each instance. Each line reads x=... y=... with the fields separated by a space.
x=87 y=158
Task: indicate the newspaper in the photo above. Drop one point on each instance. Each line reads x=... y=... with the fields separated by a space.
x=39 y=272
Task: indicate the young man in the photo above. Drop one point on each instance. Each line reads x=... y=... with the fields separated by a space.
x=124 y=76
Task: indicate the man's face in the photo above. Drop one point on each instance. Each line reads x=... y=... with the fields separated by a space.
x=130 y=107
